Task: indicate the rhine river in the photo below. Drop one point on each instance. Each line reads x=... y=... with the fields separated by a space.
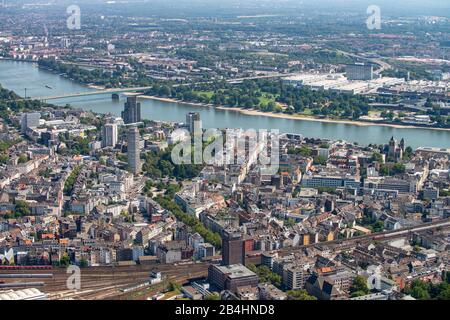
x=17 y=76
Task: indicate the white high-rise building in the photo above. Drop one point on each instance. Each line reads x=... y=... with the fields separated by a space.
x=30 y=120
x=134 y=152
x=110 y=135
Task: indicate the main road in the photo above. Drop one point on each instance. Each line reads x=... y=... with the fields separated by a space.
x=383 y=64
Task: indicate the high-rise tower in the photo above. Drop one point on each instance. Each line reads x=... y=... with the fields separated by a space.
x=134 y=153
x=233 y=250
x=30 y=120
x=109 y=135
x=191 y=118
x=132 y=111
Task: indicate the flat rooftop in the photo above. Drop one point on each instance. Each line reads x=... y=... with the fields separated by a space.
x=236 y=271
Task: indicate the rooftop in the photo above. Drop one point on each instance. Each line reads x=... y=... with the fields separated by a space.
x=236 y=271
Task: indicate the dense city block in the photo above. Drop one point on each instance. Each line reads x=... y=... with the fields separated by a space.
x=99 y=200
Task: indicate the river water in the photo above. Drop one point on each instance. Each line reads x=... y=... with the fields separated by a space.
x=17 y=76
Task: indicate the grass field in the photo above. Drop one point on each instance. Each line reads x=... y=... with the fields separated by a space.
x=265 y=98
x=207 y=94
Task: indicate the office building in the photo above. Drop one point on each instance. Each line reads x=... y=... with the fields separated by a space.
x=191 y=118
x=30 y=120
x=267 y=259
x=359 y=71
x=295 y=276
x=48 y=138
x=110 y=135
x=233 y=251
x=231 y=277
x=132 y=111
x=325 y=179
x=134 y=161
x=388 y=183
x=430 y=193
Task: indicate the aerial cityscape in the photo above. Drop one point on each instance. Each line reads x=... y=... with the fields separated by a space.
x=233 y=150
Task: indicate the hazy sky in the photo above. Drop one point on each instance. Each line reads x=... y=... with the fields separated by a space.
x=394 y=7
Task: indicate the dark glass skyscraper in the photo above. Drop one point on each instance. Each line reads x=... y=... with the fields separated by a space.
x=132 y=111
x=191 y=118
x=233 y=251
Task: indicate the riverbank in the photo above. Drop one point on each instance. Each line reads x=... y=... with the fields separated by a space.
x=253 y=112
x=93 y=86
x=16 y=76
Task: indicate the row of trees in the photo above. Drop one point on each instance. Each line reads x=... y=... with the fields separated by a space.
x=113 y=78
x=71 y=180
x=109 y=79
x=264 y=94
x=195 y=224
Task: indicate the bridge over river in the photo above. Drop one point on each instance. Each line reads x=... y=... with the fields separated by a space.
x=137 y=89
x=90 y=93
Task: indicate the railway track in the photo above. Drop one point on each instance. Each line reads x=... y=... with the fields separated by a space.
x=104 y=282
x=111 y=289
x=445 y=223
